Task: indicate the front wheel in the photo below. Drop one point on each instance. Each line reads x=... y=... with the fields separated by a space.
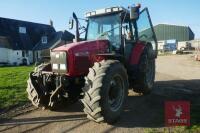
x=105 y=91
x=34 y=84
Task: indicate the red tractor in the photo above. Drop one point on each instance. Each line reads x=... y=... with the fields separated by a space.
x=117 y=54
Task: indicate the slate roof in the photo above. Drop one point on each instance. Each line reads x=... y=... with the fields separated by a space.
x=67 y=36
x=20 y=41
x=54 y=39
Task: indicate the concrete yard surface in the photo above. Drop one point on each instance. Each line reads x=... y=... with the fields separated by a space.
x=177 y=78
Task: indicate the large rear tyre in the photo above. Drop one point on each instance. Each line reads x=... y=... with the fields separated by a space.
x=106 y=89
x=145 y=81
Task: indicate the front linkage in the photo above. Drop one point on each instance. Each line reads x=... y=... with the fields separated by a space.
x=47 y=90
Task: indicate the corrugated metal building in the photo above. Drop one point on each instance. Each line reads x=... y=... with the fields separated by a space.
x=168 y=32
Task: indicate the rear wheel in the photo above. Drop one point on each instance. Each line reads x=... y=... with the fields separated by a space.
x=105 y=90
x=145 y=81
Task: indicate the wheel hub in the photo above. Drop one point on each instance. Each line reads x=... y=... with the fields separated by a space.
x=116 y=93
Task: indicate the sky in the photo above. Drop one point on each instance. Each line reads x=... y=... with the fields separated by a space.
x=180 y=12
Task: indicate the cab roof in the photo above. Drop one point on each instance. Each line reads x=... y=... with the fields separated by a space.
x=106 y=11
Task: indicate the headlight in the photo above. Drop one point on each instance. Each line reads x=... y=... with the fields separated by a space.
x=55 y=66
x=62 y=67
x=59 y=62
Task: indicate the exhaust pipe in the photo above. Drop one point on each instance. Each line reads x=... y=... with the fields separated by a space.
x=77 y=36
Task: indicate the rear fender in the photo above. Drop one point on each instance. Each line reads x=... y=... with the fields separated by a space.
x=136 y=53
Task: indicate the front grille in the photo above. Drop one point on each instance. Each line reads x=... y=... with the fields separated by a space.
x=59 y=62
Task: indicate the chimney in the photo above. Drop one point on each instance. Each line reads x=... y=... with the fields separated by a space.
x=51 y=23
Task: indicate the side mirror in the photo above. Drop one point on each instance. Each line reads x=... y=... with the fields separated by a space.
x=134 y=13
x=71 y=24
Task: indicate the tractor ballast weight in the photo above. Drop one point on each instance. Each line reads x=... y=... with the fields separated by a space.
x=117 y=54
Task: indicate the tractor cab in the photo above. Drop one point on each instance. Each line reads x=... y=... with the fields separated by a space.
x=122 y=27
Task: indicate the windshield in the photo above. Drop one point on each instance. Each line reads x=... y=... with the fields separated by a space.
x=106 y=27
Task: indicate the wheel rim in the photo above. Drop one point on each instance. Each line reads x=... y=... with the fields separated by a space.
x=116 y=93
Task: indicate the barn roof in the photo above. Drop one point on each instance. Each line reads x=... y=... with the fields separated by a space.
x=23 y=35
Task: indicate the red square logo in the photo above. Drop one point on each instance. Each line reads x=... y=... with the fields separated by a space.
x=177 y=113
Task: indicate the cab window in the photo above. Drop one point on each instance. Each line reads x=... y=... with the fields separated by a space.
x=145 y=31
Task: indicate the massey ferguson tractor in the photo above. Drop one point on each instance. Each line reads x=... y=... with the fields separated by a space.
x=118 y=53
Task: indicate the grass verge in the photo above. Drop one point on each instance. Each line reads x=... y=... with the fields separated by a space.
x=13 y=85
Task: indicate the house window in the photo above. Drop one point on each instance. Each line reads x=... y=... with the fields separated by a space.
x=23 y=53
x=22 y=30
x=44 y=39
